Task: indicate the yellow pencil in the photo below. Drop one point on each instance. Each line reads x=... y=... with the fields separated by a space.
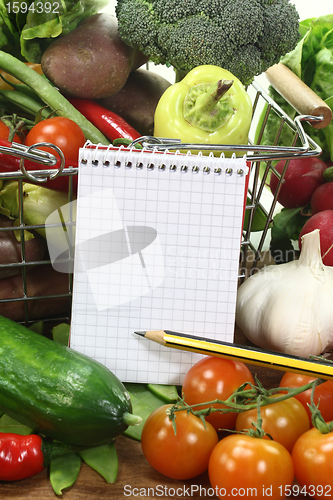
x=246 y=354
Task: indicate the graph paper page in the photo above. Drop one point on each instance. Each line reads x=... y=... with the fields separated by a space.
x=155 y=250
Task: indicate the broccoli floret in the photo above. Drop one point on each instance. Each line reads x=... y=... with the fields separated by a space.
x=274 y=43
x=235 y=21
x=171 y=11
x=138 y=28
x=244 y=36
x=198 y=40
x=248 y=62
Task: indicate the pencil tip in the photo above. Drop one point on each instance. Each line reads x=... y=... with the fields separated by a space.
x=142 y=334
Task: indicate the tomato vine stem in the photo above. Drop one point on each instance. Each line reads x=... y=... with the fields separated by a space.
x=242 y=399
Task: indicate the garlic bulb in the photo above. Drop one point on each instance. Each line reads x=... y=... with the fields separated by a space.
x=289 y=308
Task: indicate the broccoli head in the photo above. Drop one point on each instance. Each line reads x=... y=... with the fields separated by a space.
x=245 y=37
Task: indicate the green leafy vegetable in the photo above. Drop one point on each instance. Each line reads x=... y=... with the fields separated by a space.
x=286 y=228
x=27 y=28
x=312 y=62
x=289 y=222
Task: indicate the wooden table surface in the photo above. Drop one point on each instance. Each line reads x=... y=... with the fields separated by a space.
x=135 y=475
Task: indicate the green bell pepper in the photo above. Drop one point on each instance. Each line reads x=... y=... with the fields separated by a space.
x=209 y=106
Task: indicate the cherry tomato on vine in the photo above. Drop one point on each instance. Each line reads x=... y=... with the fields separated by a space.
x=215 y=378
x=4 y=133
x=313 y=462
x=323 y=393
x=183 y=455
x=284 y=421
x=241 y=466
x=62 y=132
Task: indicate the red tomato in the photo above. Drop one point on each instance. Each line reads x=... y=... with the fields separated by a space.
x=241 y=466
x=313 y=462
x=322 y=394
x=4 y=133
x=284 y=420
x=62 y=132
x=215 y=378
x=183 y=455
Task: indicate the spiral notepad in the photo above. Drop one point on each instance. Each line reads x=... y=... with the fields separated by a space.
x=157 y=247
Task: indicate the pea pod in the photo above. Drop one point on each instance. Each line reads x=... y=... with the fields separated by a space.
x=145 y=398
x=104 y=460
x=64 y=472
x=26 y=103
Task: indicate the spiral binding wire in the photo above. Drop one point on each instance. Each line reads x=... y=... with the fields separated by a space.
x=153 y=158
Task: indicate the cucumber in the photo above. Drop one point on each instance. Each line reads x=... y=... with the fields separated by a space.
x=59 y=392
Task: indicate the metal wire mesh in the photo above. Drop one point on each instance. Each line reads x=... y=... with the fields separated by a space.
x=261 y=159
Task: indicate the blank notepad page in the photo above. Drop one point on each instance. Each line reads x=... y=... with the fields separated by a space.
x=157 y=248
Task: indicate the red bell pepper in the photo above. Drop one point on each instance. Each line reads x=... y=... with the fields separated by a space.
x=25 y=456
x=109 y=123
x=10 y=163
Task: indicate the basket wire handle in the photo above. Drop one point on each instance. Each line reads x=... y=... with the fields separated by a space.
x=39 y=178
x=299 y=95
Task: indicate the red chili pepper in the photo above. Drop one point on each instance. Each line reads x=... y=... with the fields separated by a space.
x=10 y=163
x=110 y=124
x=25 y=456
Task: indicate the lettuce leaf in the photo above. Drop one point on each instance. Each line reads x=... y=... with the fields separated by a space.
x=28 y=27
x=312 y=62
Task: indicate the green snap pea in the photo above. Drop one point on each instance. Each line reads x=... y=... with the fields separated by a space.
x=26 y=103
x=104 y=460
x=8 y=424
x=64 y=472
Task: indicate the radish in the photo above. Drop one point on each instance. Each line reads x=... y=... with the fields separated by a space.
x=302 y=178
x=322 y=198
x=324 y=222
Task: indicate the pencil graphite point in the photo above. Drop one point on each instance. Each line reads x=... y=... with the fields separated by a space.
x=142 y=334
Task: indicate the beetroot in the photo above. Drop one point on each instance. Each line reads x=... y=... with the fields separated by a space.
x=324 y=222
x=322 y=198
x=302 y=178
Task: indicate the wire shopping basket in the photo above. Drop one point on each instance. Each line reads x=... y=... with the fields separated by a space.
x=32 y=291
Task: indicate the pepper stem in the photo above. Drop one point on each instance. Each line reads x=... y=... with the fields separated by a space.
x=207 y=106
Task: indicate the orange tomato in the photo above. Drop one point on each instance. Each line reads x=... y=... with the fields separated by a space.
x=285 y=421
